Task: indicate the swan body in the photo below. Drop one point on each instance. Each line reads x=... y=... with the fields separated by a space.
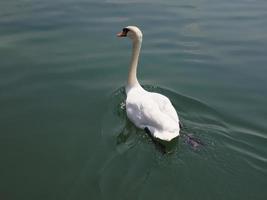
x=147 y=110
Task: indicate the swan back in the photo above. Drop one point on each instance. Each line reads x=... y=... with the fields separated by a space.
x=153 y=111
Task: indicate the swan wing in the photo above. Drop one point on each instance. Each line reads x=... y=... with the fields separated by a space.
x=165 y=105
x=155 y=112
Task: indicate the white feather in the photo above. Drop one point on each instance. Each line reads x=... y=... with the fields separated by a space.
x=154 y=111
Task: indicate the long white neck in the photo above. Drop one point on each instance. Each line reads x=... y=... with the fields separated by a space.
x=132 y=79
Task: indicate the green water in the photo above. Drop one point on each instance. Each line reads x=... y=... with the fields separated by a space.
x=63 y=129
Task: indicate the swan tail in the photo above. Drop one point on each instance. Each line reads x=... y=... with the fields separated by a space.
x=165 y=135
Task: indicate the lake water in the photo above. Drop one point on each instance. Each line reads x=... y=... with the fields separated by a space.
x=64 y=133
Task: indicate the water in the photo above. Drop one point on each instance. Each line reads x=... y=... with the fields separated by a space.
x=64 y=133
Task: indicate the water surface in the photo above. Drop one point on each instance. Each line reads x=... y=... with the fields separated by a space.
x=64 y=133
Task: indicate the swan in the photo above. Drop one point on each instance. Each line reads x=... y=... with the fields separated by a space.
x=150 y=111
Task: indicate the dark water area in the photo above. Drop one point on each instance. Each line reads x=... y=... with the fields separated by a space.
x=64 y=132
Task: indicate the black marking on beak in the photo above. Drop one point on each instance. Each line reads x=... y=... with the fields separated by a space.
x=123 y=33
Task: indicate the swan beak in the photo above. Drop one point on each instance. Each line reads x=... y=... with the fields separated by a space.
x=122 y=34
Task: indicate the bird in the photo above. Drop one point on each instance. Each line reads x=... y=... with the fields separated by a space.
x=150 y=111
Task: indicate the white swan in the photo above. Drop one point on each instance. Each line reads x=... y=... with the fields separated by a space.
x=147 y=110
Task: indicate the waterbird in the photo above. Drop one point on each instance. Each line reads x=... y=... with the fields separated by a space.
x=150 y=111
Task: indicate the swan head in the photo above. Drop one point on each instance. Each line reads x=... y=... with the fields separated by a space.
x=133 y=32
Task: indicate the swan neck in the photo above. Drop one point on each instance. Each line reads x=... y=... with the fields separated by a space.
x=132 y=78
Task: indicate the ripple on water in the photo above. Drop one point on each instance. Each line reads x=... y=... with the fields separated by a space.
x=197 y=118
x=128 y=146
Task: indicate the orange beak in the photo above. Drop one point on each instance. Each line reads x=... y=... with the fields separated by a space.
x=122 y=34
